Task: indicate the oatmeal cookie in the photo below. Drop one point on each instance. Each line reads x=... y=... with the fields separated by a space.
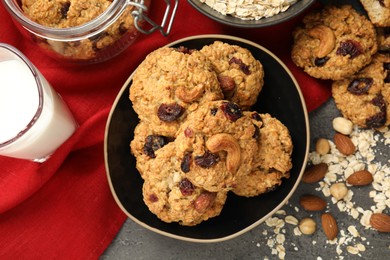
x=216 y=144
x=172 y=197
x=378 y=11
x=239 y=73
x=71 y=13
x=146 y=144
x=334 y=43
x=364 y=97
x=171 y=83
x=273 y=160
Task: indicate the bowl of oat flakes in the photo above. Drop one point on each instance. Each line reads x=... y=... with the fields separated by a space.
x=83 y=31
x=251 y=13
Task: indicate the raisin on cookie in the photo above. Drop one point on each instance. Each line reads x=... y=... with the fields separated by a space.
x=334 y=43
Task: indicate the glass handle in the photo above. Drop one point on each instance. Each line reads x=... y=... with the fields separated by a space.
x=166 y=23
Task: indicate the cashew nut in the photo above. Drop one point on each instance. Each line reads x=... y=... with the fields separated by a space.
x=226 y=142
x=326 y=37
x=189 y=95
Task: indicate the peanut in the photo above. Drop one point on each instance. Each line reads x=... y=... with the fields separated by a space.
x=342 y=125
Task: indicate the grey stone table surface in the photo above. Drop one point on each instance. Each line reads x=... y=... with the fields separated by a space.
x=265 y=241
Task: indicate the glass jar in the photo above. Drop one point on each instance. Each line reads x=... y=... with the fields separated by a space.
x=97 y=40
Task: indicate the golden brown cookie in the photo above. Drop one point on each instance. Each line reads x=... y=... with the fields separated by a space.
x=378 y=11
x=216 y=144
x=169 y=84
x=364 y=97
x=273 y=160
x=172 y=197
x=334 y=43
x=239 y=73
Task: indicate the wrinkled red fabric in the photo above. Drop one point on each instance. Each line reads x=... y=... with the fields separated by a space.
x=63 y=208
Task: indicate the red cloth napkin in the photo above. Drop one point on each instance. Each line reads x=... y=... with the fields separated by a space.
x=63 y=208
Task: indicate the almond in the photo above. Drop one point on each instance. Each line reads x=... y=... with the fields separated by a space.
x=360 y=178
x=315 y=173
x=344 y=144
x=329 y=225
x=380 y=222
x=312 y=203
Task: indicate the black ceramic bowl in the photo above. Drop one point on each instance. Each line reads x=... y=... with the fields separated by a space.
x=280 y=97
x=291 y=12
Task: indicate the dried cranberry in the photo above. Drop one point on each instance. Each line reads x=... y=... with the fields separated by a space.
x=206 y=160
x=214 y=111
x=231 y=110
x=379 y=119
x=169 y=112
x=319 y=62
x=153 y=143
x=256 y=134
x=153 y=198
x=350 y=47
x=64 y=10
x=185 y=164
x=122 y=28
x=243 y=67
x=360 y=85
x=186 y=187
x=227 y=83
x=256 y=117
x=188 y=132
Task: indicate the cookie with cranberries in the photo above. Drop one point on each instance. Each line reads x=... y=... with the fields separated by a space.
x=216 y=144
x=172 y=197
x=334 y=42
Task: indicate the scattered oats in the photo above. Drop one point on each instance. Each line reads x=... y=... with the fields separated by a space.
x=280 y=238
x=353 y=231
x=361 y=247
x=297 y=232
x=291 y=220
x=365 y=219
x=258 y=244
x=352 y=250
x=281 y=212
x=314 y=242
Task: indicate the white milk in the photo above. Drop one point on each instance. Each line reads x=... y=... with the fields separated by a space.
x=19 y=102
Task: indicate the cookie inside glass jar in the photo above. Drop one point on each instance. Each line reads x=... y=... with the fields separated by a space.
x=95 y=45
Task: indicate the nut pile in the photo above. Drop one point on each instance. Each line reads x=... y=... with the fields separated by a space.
x=341 y=182
x=249 y=9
